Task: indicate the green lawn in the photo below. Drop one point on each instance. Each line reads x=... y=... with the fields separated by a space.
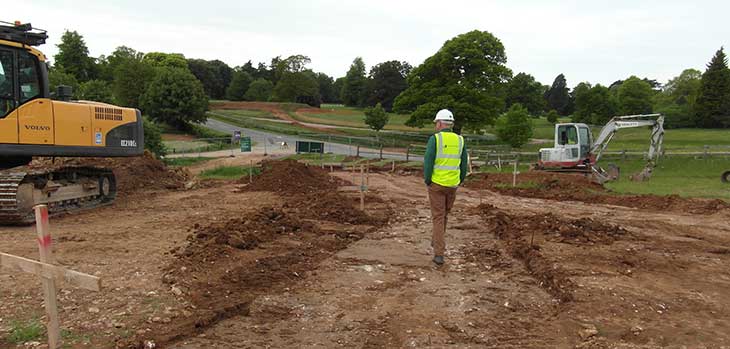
x=681 y=175
x=186 y=161
x=229 y=172
x=352 y=117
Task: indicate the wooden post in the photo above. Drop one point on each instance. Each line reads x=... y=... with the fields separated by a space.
x=49 y=285
x=358 y=151
x=352 y=171
x=381 y=152
x=514 y=175
x=408 y=152
x=250 y=173
x=392 y=169
x=362 y=188
x=499 y=163
x=367 y=173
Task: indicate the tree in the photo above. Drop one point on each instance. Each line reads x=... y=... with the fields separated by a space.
x=298 y=87
x=337 y=89
x=73 y=57
x=205 y=74
x=239 y=85
x=131 y=79
x=376 y=117
x=523 y=89
x=109 y=64
x=552 y=116
x=678 y=98
x=466 y=76
x=326 y=88
x=96 y=90
x=593 y=104
x=153 y=138
x=224 y=75
x=635 y=97
x=515 y=126
x=713 y=104
x=557 y=97
x=354 y=88
x=166 y=60
x=57 y=76
x=259 y=90
x=389 y=79
x=176 y=97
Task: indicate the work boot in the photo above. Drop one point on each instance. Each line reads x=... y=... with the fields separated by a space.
x=439 y=260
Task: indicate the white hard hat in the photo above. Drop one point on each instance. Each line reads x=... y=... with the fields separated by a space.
x=444 y=115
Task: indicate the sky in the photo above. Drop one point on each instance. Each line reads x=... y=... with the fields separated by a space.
x=593 y=41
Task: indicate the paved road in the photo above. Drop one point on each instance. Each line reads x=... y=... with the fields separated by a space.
x=269 y=139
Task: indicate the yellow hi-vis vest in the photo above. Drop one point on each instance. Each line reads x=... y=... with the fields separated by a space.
x=446 y=167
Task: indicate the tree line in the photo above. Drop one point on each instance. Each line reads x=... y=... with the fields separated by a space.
x=468 y=74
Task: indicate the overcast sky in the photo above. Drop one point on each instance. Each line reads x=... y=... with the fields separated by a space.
x=593 y=41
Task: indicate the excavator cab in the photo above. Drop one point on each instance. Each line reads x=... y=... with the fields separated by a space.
x=572 y=147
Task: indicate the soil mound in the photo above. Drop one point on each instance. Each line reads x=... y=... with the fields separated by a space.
x=573 y=187
x=132 y=173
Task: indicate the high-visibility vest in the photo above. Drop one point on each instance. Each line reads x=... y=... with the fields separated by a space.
x=446 y=168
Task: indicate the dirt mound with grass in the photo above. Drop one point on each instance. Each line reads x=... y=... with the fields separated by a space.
x=574 y=187
x=138 y=173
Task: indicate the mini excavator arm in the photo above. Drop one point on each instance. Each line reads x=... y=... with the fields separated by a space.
x=656 y=121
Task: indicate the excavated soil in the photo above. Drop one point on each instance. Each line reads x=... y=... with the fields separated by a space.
x=572 y=187
x=133 y=174
x=226 y=265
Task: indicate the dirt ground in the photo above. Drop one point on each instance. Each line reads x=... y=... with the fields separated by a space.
x=289 y=261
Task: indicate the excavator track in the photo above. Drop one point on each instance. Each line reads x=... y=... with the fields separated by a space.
x=63 y=190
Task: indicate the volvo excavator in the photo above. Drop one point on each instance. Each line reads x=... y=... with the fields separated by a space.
x=575 y=149
x=34 y=125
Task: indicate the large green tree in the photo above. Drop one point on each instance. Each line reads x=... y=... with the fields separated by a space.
x=388 y=81
x=337 y=87
x=131 y=78
x=175 y=97
x=713 y=104
x=166 y=60
x=236 y=91
x=73 y=57
x=678 y=98
x=354 y=88
x=593 y=104
x=523 y=89
x=635 y=97
x=96 y=90
x=299 y=87
x=515 y=126
x=107 y=65
x=557 y=96
x=467 y=75
x=376 y=117
x=259 y=90
x=326 y=88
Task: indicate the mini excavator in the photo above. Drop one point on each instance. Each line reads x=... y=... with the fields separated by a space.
x=34 y=125
x=576 y=151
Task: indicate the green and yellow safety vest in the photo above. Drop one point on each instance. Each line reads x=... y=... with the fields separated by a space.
x=446 y=169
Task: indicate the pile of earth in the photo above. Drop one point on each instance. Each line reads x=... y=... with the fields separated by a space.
x=133 y=174
x=311 y=192
x=574 y=187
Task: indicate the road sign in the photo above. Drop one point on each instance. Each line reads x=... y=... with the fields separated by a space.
x=310 y=147
x=245 y=144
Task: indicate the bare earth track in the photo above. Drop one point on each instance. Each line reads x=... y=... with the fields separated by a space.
x=289 y=262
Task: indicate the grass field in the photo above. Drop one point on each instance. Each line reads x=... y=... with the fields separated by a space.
x=681 y=175
x=229 y=172
x=338 y=115
x=186 y=161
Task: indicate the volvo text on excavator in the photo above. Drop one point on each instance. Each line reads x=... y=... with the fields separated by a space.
x=34 y=125
x=576 y=151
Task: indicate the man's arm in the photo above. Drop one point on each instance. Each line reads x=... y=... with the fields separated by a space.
x=464 y=166
x=428 y=160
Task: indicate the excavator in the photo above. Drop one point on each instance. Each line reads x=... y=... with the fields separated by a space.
x=575 y=149
x=34 y=125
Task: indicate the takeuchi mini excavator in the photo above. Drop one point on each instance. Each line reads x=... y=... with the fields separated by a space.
x=575 y=149
x=33 y=125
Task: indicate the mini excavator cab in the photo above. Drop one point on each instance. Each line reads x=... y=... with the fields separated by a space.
x=571 y=149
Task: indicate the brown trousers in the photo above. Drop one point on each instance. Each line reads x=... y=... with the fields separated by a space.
x=441 y=199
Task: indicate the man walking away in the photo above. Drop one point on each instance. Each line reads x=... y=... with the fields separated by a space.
x=444 y=168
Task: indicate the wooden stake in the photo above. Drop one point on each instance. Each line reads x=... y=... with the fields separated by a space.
x=367 y=172
x=362 y=188
x=250 y=173
x=514 y=176
x=49 y=285
x=393 y=167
